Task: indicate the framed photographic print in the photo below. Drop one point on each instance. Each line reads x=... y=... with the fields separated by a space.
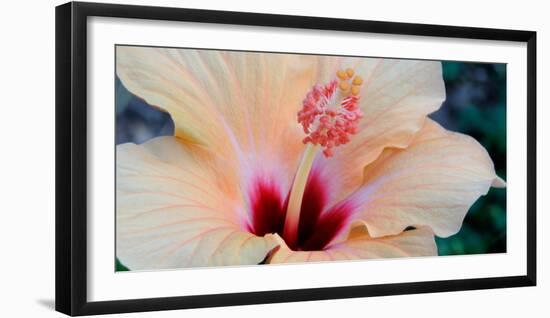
x=226 y=158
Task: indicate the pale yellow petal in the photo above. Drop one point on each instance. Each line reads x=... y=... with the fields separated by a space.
x=177 y=207
x=242 y=105
x=396 y=96
x=432 y=182
x=499 y=182
x=360 y=245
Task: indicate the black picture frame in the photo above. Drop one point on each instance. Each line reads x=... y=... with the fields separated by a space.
x=71 y=157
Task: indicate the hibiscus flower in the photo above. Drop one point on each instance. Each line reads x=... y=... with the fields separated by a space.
x=290 y=158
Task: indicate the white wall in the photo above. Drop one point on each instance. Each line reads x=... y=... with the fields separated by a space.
x=27 y=158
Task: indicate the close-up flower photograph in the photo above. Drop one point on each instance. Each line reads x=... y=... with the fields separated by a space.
x=211 y=158
x=243 y=158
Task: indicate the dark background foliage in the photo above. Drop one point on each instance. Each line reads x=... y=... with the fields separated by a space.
x=475 y=105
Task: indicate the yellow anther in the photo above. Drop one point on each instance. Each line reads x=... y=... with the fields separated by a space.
x=342 y=75
x=350 y=72
x=358 y=80
x=344 y=86
x=355 y=90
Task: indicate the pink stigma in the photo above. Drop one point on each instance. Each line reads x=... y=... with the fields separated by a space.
x=330 y=113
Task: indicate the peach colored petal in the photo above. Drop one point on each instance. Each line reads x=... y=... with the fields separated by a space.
x=360 y=245
x=432 y=182
x=177 y=207
x=396 y=97
x=242 y=105
x=499 y=183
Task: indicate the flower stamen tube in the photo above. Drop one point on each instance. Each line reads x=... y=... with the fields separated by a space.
x=329 y=116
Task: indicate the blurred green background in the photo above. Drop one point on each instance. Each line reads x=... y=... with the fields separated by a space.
x=475 y=105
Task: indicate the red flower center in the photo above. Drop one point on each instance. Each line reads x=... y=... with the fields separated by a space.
x=319 y=224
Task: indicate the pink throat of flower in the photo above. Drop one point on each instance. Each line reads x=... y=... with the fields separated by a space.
x=330 y=112
x=319 y=224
